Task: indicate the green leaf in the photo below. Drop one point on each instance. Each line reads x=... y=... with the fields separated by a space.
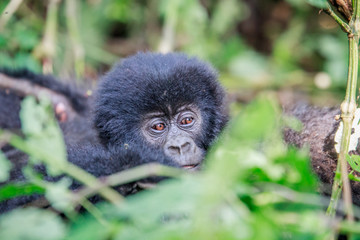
x=31 y=224
x=258 y=120
x=19 y=189
x=87 y=227
x=25 y=60
x=26 y=38
x=6 y=60
x=352 y=177
x=44 y=139
x=297 y=171
x=354 y=161
x=59 y=195
x=3 y=41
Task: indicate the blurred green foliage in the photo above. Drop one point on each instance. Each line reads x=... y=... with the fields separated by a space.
x=252 y=187
x=273 y=44
x=35 y=224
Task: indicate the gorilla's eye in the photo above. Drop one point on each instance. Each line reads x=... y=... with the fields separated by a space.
x=186 y=120
x=158 y=126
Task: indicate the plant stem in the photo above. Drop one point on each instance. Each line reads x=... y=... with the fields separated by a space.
x=348 y=108
x=91 y=181
x=346 y=28
x=47 y=48
x=74 y=34
x=335 y=193
x=356 y=6
x=130 y=175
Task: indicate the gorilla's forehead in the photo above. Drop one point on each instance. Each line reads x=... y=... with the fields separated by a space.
x=166 y=94
x=169 y=111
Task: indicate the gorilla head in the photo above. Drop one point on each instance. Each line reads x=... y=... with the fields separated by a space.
x=169 y=102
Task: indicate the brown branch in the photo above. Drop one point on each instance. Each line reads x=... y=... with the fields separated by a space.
x=63 y=109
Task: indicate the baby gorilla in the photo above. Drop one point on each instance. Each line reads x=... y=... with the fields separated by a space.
x=168 y=102
x=149 y=108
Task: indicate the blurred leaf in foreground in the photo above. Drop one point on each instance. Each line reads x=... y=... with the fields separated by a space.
x=19 y=189
x=44 y=141
x=31 y=224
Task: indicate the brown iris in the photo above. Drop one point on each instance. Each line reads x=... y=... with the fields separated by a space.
x=187 y=120
x=158 y=126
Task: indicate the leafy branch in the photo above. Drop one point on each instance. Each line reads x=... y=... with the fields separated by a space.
x=347 y=14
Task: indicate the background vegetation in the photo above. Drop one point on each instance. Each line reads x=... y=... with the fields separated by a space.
x=253 y=187
x=254 y=44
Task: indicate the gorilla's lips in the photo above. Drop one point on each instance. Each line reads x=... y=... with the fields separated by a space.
x=190 y=166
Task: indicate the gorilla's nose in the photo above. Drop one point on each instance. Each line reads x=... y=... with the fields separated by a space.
x=183 y=151
x=179 y=149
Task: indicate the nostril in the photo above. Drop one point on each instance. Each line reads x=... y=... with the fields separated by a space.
x=185 y=147
x=174 y=150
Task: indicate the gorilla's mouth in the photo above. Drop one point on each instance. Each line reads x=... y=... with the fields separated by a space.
x=190 y=166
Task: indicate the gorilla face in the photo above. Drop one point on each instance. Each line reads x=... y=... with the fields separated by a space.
x=167 y=102
x=176 y=134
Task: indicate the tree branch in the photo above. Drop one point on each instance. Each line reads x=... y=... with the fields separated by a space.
x=24 y=88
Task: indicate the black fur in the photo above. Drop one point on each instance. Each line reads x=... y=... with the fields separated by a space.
x=9 y=110
x=100 y=162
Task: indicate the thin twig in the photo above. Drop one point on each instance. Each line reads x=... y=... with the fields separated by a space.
x=129 y=175
x=92 y=182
